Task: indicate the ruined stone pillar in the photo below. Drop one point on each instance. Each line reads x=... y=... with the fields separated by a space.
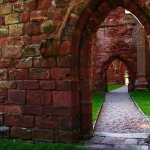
x=141 y=82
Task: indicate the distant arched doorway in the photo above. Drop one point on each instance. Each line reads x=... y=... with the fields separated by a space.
x=119 y=71
x=117 y=75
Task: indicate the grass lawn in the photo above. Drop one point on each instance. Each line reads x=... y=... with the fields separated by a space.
x=142 y=98
x=98 y=99
x=113 y=86
x=20 y=145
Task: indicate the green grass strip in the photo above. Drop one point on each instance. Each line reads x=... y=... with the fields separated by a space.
x=113 y=86
x=97 y=101
x=20 y=145
x=142 y=98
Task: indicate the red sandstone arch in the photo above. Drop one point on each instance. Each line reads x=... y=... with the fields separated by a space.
x=130 y=67
x=88 y=22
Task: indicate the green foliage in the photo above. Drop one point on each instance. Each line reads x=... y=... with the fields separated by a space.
x=20 y=145
x=97 y=101
x=142 y=98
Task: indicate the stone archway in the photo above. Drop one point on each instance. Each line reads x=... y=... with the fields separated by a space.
x=84 y=25
x=81 y=21
x=129 y=66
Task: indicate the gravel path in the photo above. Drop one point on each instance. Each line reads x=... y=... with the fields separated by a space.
x=121 y=126
x=120 y=115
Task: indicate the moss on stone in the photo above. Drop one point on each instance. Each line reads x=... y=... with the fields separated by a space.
x=30 y=52
x=48 y=26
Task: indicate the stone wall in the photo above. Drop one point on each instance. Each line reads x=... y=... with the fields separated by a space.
x=43 y=80
x=35 y=95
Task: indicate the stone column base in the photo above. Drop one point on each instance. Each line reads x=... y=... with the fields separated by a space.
x=141 y=83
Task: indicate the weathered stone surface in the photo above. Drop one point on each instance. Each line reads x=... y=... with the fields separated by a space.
x=3 y=74
x=16 y=29
x=5 y=8
x=39 y=73
x=16 y=97
x=62 y=99
x=30 y=52
x=11 y=51
x=45 y=58
x=7 y=85
x=11 y=19
x=3 y=31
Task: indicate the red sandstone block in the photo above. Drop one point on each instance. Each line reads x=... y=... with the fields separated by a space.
x=4 y=63
x=38 y=15
x=32 y=28
x=39 y=97
x=49 y=62
x=2 y=20
x=47 y=98
x=12 y=109
x=65 y=61
x=32 y=110
x=18 y=74
x=42 y=134
x=47 y=110
x=11 y=51
x=21 y=133
x=3 y=74
x=63 y=85
x=31 y=5
x=16 y=96
x=40 y=62
x=25 y=17
x=45 y=122
x=35 y=97
x=44 y=4
x=3 y=41
x=18 y=120
x=10 y=120
x=18 y=84
x=11 y=0
x=31 y=84
x=37 y=62
x=3 y=96
x=26 y=121
x=37 y=38
x=2 y=108
x=65 y=48
x=47 y=85
x=62 y=111
x=62 y=99
x=26 y=39
x=60 y=73
x=68 y=136
x=39 y=73
x=18 y=6
x=24 y=63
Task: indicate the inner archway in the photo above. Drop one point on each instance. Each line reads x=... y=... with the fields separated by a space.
x=117 y=75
